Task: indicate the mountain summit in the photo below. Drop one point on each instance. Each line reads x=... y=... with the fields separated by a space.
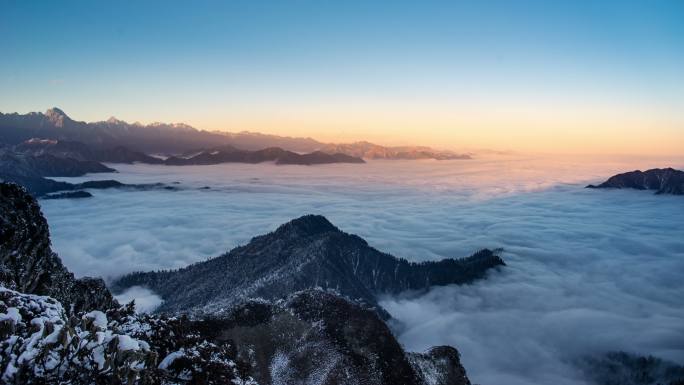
x=56 y=116
x=307 y=252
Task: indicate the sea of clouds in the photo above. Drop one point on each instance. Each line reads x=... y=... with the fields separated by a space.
x=587 y=271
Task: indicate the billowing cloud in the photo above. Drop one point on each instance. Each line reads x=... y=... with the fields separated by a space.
x=588 y=270
x=145 y=300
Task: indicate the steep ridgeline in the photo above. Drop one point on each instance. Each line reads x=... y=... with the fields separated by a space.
x=79 y=335
x=304 y=253
x=28 y=264
x=662 y=180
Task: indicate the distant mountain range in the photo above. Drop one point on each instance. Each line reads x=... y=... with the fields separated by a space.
x=31 y=171
x=151 y=138
x=214 y=155
x=305 y=253
x=662 y=180
x=174 y=139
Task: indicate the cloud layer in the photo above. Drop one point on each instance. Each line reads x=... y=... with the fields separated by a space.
x=588 y=270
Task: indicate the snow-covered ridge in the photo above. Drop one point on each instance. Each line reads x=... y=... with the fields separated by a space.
x=40 y=344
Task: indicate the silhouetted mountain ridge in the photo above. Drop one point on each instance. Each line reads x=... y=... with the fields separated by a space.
x=662 y=180
x=304 y=253
x=179 y=138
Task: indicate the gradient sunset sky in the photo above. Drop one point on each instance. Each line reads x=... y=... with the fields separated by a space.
x=552 y=76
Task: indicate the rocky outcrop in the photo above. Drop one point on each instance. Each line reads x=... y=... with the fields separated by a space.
x=329 y=340
x=41 y=344
x=439 y=365
x=307 y=252
x=27 y=262
x=662 y=180
x=622 y=368
x=311 y=337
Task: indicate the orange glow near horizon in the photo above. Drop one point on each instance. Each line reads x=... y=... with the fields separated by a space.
x=540 y=130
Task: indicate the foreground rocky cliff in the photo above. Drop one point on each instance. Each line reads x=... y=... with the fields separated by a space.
x=28 y=264
x=57 y=329
x=305 y=253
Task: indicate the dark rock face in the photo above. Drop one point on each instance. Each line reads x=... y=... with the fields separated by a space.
x=305 y=253
x=662 y=180
x=440 y=364
x=29 y=265
x=620 y=368
x=329 y=340
x=229 y=154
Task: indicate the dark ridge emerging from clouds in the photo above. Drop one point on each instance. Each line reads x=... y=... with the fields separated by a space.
x=307 y=252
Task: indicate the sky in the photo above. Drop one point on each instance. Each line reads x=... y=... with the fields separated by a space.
x=561 y=77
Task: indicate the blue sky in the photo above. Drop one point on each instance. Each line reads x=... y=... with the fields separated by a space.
x=347 y=69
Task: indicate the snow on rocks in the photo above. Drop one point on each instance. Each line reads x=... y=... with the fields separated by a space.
x=40 y=344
